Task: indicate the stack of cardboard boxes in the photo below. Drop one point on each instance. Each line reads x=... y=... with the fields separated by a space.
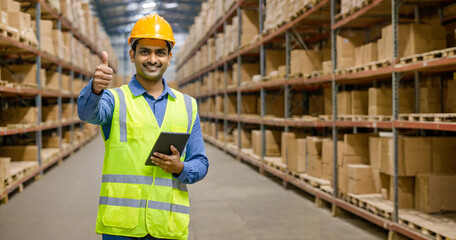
x=272 y=141
x=23 y=75
x=293 y=151
x=353 y=50
x=17 y=21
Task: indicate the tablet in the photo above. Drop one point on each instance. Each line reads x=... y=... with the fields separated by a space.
x=164 y=142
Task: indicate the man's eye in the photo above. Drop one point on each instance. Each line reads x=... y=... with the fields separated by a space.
x=161 y=52
x=143 y=51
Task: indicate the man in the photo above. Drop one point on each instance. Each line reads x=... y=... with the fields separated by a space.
x=139 y=201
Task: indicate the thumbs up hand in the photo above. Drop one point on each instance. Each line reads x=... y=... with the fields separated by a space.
x=102 y=76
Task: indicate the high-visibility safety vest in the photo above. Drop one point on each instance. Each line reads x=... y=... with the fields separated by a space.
x=137 y=199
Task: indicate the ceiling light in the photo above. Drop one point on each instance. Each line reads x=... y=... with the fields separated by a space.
x=149 y=5
x=132 y=6
x=171 y=5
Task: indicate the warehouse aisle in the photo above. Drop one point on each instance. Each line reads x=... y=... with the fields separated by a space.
x=232 y=202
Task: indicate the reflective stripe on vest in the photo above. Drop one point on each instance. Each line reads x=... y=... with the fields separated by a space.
x=135 y=179
x=123 y=113
x=135 y=203
x=189 y=107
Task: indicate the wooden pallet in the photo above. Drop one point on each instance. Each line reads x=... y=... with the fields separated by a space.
x=313 y=181
x=428 y=56
x=294 y=174
x=436 y=226
x=276 y=162
x=378 y=64
x=18 y=171
x=6 y=84
x=325 y=117
x=374 y=118
x=428 y=117
x=9 y=32
x=327 y=189
x=373 y=203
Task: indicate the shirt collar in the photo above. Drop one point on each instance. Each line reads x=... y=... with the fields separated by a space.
x=137 y=89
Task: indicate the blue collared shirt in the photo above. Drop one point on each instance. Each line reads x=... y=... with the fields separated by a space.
x=98 y=109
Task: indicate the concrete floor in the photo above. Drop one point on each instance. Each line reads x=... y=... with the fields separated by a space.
x=232 y=202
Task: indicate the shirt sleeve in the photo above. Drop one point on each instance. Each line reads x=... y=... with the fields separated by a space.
x=95 y=109
x=196 y=163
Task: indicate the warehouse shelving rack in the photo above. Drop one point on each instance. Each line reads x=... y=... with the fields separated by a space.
x=15 y=49
x=393 y=70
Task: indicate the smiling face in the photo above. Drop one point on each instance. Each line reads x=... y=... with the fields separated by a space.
x=151 y=59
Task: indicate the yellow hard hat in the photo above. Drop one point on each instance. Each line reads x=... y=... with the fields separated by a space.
x=152 y=26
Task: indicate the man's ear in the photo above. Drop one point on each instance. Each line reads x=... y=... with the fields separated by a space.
x=170 y=57
x=132 y=55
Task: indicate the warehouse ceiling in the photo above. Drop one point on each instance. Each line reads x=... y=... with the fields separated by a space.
x=119 y=16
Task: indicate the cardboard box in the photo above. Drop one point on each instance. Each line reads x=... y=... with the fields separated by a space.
x=20 y=74
x=360 y=179
x=250 y=26
x=413 y=39
x=4 y=169
x=314 y=166
x=356 y=144
x=343 y=168
x=435 y=192
x=57 y=38
x=359 y=103
x=347 y=41
x=19 y=20
x=380 y=101
x=327 y=170
x=359 y=55
x=315 y=105
x=256 y=142
x=246 y=138
x=288 y=150
x=443 y=154
x=51 y=142
x=248 y=70
x=50 y=113
x=301 y=152
x=374 y=152
x=406 y=100
x=19 y=115
x=52 y=81
x=20 y=153
x=376 y=176
x=304 y=61
x=249 y=104
x=327 y=150
x=370 y=52
x=430 y=100
x=344 y=103
x=275 y=105
x=314 y=145
x=219 y=104
x=231 y=104
x=450 y=97
x=274 y=59
x=327 y=67
x=414 y=156
x=67 y=111
x=327 y=95
x=10 y=6
x=406 y=191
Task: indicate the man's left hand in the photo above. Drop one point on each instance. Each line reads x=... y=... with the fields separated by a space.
x=169 y=163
